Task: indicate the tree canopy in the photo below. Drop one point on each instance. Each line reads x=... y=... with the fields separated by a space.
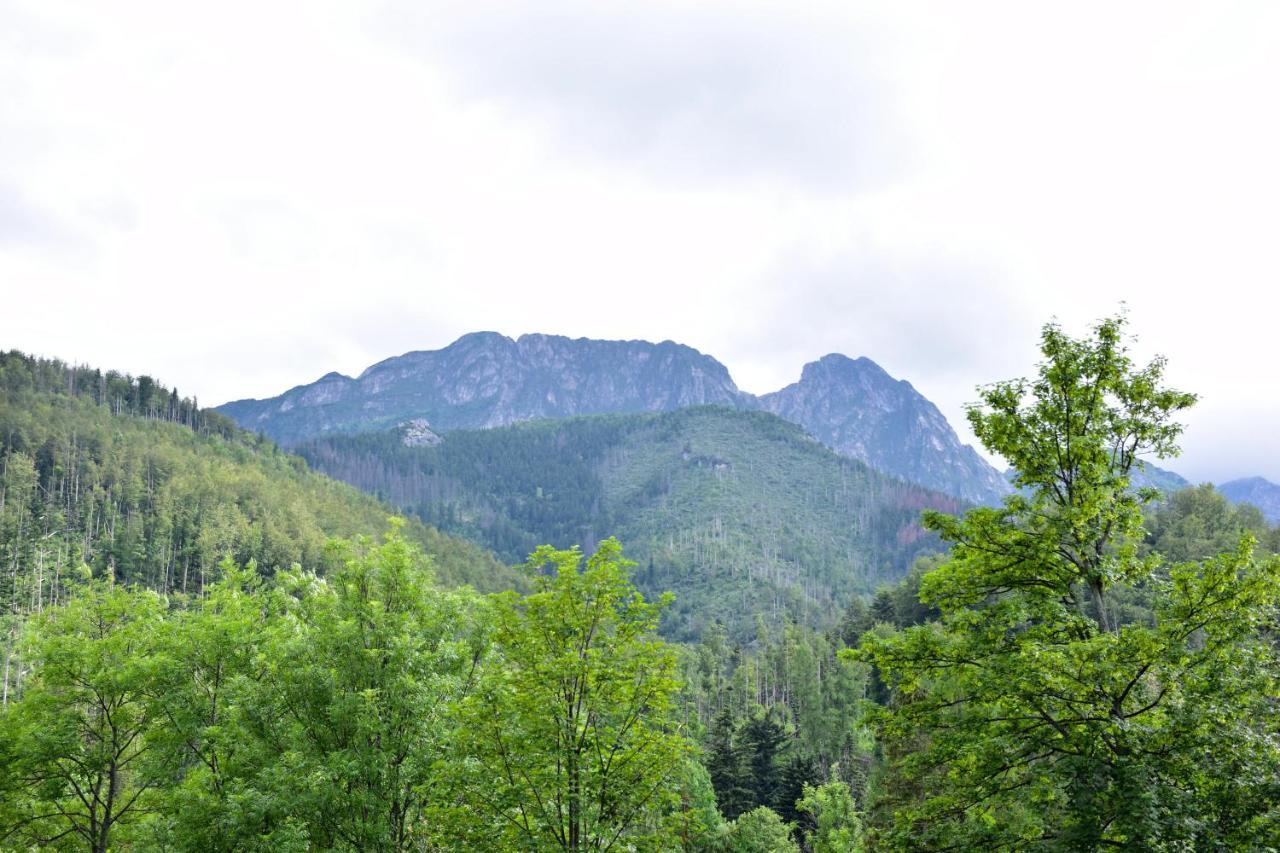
x=1037 y=713
x=571 y=729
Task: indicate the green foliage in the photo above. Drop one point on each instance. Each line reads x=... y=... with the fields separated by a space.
x=836 y=825
x=778 y=716
x=759 y=831
x=570 y=735
x=121 y=394
x=211 y=665
x=365 y=710
x=696 y=824
x=1199 y=522
x=158 y=501
x=76 y=759
x=366 y=667
x=1031 y=717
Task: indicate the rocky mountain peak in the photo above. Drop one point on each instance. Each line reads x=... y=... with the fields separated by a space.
x=855 y=407
x=834 y=364
x=485 y=379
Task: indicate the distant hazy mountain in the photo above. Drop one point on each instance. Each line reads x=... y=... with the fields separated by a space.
x=1146 y=474
x=486 y=380
x=1260 y=492
x=1161 y=478
x=738 y=512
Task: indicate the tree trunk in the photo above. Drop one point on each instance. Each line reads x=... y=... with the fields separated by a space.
x=1100 y=604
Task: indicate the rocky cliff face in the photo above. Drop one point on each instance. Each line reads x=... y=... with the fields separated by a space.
x=488 y=380
x=857 y=409
x=1262 y=493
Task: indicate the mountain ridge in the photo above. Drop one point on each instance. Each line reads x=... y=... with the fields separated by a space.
x=486 y=379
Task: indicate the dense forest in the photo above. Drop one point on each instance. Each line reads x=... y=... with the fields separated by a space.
x=739 y=513
x=104 y=476
x=122 y=477
x=1089 y=666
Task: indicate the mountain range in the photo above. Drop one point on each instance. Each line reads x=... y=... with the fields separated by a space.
x=486 y=380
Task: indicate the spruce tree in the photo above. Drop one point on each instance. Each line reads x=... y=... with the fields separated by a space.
x=728 y=766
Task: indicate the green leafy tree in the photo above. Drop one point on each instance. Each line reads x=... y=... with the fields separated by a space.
x=696 y=824
x=76 y=757
x=1198 y=523
x=833 y=814
x=1031 y=717
x=760 y=831
x=210 y=666
x=571 y=735
x=366 y=670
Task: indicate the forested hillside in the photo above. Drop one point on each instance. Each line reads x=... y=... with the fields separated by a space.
x=110 y=476
x=739 y=513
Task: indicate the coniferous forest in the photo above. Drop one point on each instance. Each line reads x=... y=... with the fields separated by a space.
x=696 y=631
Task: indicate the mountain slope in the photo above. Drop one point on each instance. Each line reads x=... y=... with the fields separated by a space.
x=159 y=493
x=1258 y=491
x=856 y=408
x=1168 y=482
x=487 y=380
x=739 y=513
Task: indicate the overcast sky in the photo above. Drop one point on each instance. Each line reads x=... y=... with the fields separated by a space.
x=238 y=197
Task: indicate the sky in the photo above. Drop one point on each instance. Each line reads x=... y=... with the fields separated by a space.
x=239 y=197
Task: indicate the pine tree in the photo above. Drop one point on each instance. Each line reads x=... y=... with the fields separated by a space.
x=728 y=763
x=798 y=773
x=763 y=739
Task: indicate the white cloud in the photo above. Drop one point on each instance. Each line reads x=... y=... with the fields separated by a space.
x=694 y=93
x=240 y=197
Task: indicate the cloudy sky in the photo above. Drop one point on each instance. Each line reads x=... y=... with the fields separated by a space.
x=238 y=197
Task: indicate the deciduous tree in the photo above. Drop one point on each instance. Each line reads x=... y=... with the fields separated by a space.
x=1033 y=717
x=76 y=758
x=571 y=735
